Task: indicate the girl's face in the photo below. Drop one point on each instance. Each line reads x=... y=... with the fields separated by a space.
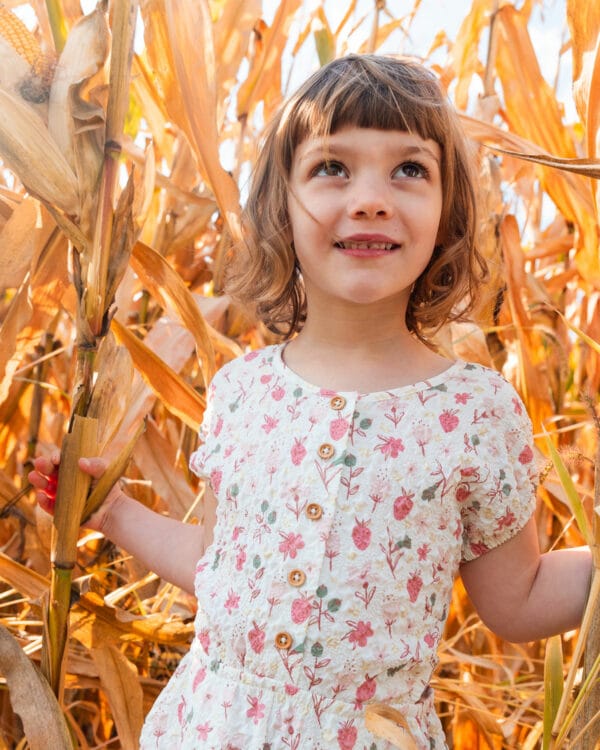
x=365 y=209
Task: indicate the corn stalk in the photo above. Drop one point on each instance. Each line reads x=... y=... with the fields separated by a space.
x=96 y=277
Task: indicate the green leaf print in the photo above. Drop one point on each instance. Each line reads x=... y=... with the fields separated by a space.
x=321 y=592
x=429 y=492
x=316 y=650
x=272 y=517
x=256 y=562
x=264 y=505
x=365 y=423
x=298 y=392
x=333 y=605
x=404 y=543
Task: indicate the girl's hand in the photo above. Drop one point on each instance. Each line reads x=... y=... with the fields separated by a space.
x=44 y=478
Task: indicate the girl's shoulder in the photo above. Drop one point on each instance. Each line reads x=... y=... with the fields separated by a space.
x=255 y=362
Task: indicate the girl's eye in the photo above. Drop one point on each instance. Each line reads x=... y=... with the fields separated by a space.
x=330 y=169
x=412 y=169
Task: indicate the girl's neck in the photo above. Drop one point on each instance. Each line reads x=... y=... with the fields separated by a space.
x=362 y=355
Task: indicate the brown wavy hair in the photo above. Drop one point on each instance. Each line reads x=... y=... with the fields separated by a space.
x=365 y=91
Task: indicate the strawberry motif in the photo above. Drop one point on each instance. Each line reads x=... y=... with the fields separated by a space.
x=301 y=609
x=298 y=452
x=338 y=428
x=526 y=455
x=449 y=420
x=364 y=692
x=346 y=736
x=361 y=534
x=277 y=393
x=413 y=586
x=403 y=506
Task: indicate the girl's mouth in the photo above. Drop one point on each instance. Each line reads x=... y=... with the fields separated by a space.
x=355 y=247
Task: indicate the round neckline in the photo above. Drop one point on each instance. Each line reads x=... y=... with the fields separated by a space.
x=281 y=365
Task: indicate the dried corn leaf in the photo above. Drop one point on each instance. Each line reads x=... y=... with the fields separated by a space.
x=177 y=396
x=463 y=55
x=32 y=699
x=24 y=580
x=29 y=150
x=263 y=82
x=584 y=24
x=553 y=685
x=83 y=56
x=18 y=244
x=119 y=680
x=232 y=31
x=167 y=286
x=156 y=458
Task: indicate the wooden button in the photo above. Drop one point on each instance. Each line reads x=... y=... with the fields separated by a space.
x=314 y=511
x=283 y=640
x=326 y=450
x=337 y=403
x=296 y=577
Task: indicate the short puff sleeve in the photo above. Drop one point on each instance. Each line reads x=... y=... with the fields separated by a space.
x=498 y=483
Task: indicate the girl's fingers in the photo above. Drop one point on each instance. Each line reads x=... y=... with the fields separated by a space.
x=94 y=466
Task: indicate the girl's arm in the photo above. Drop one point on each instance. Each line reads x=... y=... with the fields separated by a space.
x=522 y=595
x=166 y=546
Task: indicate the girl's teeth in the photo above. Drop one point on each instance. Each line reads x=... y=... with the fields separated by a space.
x=362 y=245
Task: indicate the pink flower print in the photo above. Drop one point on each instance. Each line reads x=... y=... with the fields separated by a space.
x=390 y=447
x=423 y=551
x=505 y=521
x=449 y=420
x=240 y=559
x=359 y=633
x=422 y=435
x=291 y=544
x=270 y=423
x=290 y=689
x=237 y=530
x=204 y=638
x=257 y=709
x=518 y=409
x=251 y=355
x=215 y=479
x=256 y=636
x=199 y=677
x=346 y=736
x=430 y=639
x=526 y=455
x=203 y=730
x=298 y=452
x=338 y=428
x=277 y=393
x=265 y=378
x=233 y=601
x=462 y=398
x=218 y=427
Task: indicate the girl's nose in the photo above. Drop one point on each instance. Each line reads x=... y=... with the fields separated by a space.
x=370 y=199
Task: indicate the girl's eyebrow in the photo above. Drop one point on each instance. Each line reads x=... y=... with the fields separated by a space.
x=324 y=148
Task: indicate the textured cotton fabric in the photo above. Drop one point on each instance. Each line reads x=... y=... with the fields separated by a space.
x=342 y=520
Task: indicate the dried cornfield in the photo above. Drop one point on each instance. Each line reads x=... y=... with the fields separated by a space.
x=116 y=218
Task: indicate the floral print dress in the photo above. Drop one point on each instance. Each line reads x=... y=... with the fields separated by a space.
x=342 y=520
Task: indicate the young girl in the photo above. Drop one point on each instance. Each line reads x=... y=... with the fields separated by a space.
x=353 y=471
